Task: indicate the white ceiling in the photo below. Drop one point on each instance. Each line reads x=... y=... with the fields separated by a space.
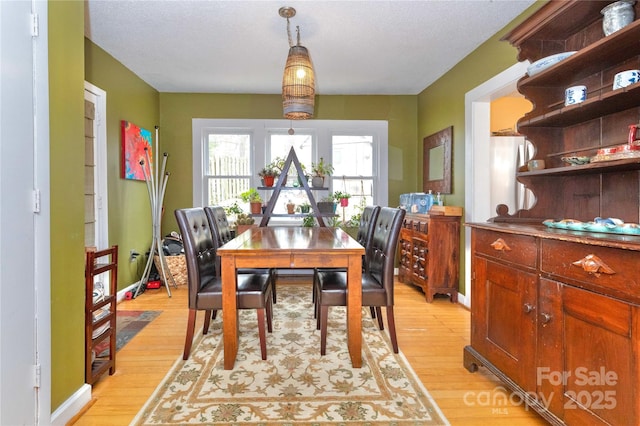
x=357 y=47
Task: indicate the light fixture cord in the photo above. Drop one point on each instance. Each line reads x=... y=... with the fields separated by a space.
x=289 y=34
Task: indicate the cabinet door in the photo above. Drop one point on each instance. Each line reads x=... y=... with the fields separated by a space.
x=503 y=319
x=601 y=345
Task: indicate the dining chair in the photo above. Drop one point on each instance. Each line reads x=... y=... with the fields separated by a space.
x=205 y=283
x=364 y=236
x=222 y=234
x=377 y=277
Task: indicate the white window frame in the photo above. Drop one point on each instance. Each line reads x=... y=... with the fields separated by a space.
x=324 y=130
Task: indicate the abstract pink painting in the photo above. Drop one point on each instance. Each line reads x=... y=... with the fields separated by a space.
x=134 y=142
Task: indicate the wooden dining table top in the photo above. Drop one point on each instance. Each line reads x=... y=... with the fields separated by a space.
x=292 y=239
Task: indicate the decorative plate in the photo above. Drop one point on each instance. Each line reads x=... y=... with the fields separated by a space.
x=576 y=161
x=544 y=63
x=604 y=225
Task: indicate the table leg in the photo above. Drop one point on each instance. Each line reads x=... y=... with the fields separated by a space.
x=229 y=311
x=354 y=309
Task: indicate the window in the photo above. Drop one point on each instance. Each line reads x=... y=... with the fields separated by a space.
x=227 y=167
x=227 y=155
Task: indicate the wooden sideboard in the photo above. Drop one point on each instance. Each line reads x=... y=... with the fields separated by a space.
x=556 y=317
x=429 y=248
x=555 y=313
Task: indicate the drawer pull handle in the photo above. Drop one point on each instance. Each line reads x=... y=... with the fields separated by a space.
x=594 y=265
x=500 y=245
x=546 y=318
x=528 y=307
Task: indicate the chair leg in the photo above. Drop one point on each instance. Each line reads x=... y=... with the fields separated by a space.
x=262 y=334
x=207 y=321
x=324 y=313
x=373 y=312
x=379 y=314
x=392 y=329
x=214 y=314
x=191 y=324
x=269 y=316
x=274 y=275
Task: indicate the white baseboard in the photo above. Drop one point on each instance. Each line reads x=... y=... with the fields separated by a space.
x=122 y=293
x=72 y=406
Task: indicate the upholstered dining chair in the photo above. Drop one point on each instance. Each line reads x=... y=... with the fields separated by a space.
x=205 y=283
x=364 y=236
x=222 y=234
x=377 y=277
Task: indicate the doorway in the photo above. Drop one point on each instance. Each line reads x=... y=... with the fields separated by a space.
x=477 y=149
x=96 y=229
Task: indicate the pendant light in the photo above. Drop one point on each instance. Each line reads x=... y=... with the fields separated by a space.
x=298 y=81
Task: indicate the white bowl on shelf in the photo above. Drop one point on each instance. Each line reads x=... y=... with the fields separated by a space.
x=549 y=61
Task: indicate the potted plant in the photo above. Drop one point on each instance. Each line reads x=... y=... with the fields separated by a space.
x=291 y=207
x=320 y=170
x=304 y=207
x=327 y=205
x=268 y=174
x=243 y=222
x=343 y=197
x=309 y=221
x=252 y=196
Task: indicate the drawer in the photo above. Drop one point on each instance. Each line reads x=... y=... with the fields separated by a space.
x=610 y=270
x=517 y=249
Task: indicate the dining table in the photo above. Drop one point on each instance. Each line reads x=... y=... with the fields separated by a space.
x=289 y=247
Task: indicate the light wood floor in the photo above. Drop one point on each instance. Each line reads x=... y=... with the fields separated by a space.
x=431 y=336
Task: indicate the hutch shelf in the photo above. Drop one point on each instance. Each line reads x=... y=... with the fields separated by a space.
x=548 y=303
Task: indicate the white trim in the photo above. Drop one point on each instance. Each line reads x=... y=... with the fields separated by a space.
x=99 y=98
x=323 y=130
x=477 y=119
x=72 y=406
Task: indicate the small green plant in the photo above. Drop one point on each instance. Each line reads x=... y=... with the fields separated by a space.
x=251 y=196
x=269 y=170
x=304 y=207
x=340 y=195
x=330 y=198
x=233 y=209
x=334 y=222
x=321 y=168
x=309 y=221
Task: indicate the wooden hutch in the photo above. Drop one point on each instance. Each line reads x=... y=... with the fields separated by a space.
x=555 y=313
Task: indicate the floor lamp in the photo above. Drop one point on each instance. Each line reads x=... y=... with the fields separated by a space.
x=156 y=186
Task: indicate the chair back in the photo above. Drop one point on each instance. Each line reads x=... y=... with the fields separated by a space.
x=199 y=250
x=220 y=229
x=365 y=229
x=219 y=224
x=383 y=247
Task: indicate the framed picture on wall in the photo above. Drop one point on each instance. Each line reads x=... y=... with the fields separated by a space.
x=136 y=148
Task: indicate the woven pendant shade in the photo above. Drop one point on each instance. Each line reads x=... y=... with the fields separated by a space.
x=298 y=85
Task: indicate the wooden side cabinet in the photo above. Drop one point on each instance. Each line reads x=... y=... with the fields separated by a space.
x=100 y=312
x=429 y=247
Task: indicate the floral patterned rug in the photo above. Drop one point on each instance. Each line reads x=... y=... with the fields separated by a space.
x=295 y=385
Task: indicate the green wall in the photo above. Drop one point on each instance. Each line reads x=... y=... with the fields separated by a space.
x=442 y=104
x=66 y=93
x=178 y=109
x=128 y=98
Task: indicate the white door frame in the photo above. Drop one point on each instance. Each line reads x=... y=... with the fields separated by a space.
x=477 y=136
x=99 y=98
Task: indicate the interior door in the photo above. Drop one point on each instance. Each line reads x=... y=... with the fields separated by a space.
x=19 y=253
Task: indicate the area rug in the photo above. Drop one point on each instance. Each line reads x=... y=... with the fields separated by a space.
x=295 y=385
x=128 y=324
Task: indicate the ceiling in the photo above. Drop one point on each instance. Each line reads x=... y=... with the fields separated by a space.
x=357 y=47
